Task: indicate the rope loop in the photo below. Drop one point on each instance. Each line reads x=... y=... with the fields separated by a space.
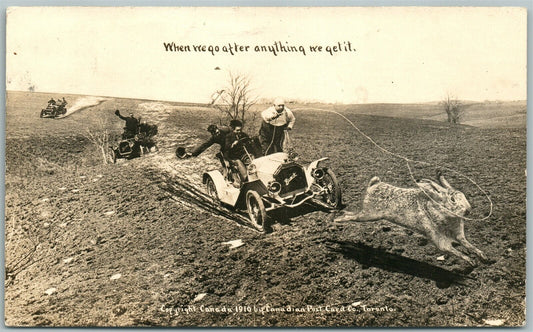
x=408 y=160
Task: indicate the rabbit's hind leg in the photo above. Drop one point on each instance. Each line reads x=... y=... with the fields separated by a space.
x=344 y=216
x=358 y=216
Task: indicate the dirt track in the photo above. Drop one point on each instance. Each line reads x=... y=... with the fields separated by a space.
x=136 y=244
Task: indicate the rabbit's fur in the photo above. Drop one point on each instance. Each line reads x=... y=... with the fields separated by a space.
x=434 y=210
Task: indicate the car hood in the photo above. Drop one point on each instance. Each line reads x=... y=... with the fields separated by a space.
x=270 y=163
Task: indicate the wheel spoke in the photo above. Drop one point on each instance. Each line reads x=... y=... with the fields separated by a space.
x=256 y=210
x=331 y=192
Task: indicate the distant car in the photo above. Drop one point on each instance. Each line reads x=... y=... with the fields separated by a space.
x=274 y=181
x=53 y=110
x=125 y=149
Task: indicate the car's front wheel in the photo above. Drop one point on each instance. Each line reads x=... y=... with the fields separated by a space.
x=256 y=210
x=212 y=191
x=332 y=197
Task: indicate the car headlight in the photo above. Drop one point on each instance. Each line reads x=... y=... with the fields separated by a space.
x=274 y=187
x=318 y=173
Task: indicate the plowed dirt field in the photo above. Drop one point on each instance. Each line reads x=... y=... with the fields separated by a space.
x=138 y=244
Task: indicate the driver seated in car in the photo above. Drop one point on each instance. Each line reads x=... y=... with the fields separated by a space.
x=235 y=151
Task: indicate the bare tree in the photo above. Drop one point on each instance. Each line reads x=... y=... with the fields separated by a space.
x=236 y=99
x=454 y=109
x=99 y=135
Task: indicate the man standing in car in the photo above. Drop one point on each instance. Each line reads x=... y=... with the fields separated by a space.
x=132 y=124
x=276 y=120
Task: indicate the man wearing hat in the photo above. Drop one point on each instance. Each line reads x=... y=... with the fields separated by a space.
x=276 y=120
x=235 y=152
x=218 y=136
x=132 y=125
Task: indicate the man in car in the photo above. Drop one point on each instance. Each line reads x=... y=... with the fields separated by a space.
x=61 y=104
x=218 y=136
x=276 y=120
x=132 y=124
x=228 y=139
x=234 y=149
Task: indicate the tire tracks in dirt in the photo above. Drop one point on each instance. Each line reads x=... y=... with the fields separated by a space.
x=182 y=179
x=83 y=103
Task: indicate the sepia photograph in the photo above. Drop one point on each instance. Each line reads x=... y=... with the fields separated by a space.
x=265 y=166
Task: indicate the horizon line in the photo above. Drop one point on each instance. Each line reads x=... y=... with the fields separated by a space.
x=296 y=100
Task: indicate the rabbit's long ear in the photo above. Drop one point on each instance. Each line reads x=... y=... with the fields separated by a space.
x=433 y=190
x=432 y=184
x=444 y=183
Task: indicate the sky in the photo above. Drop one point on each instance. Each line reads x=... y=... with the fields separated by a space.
x=386 y=54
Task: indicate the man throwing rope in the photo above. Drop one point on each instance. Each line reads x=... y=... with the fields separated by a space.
x=276 y=120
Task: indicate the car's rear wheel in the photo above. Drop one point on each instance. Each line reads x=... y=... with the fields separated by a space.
x=256 y=210
x=212 y=191
x=332 y=198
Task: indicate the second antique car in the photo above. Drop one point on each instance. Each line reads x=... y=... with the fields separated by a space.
x=132 y=147
x=125 y=149
x=274 y=181
x=53 y=110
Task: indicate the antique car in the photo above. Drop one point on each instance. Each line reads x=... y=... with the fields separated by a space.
x=274 y=181
x=125 y=149
x=53 y=110
x=130 y=147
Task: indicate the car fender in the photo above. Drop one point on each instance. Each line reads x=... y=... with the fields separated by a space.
x=310 y=168
x=227 y=194
x=256 y=185
x=217 y=177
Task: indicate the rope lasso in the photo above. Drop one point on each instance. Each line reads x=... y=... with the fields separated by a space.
x=408 y=160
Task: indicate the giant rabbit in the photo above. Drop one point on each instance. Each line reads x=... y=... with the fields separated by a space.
x=433 y=210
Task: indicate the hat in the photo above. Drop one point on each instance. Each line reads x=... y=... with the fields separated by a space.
x=235 y=123
x=212 y=128
x=279 y=101
x=181 y=152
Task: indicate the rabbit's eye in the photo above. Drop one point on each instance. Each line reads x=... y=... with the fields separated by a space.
x=452 y=198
